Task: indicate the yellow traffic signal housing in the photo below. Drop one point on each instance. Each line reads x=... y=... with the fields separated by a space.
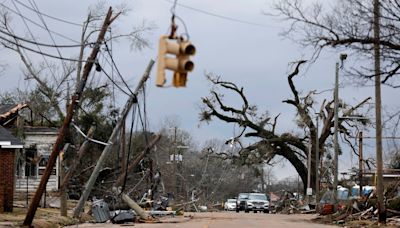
x=174 y=55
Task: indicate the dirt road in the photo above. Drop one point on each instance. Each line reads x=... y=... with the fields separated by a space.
x=228 y=220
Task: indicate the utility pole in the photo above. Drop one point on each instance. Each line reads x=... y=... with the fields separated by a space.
x=175 y=162
x=360 y=160
x=378 y=102
x=336 y=130
x=335 y=136
x=111 y=141
x=67 y=120
x=317 y=163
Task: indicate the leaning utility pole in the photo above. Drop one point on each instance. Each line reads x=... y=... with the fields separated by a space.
x=111 y=141
x=70 y=112
x=378 y=103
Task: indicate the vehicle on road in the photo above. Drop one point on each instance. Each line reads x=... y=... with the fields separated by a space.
x=230 y=205
x=257 y=202
x=241 y=201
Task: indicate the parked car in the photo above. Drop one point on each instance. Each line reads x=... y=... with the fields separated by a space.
x=257 y=202
x=241 y=201
x=230 y=205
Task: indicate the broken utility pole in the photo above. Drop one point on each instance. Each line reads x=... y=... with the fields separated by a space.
x=111 y=141
x=136 y=161
x=67 y=120
x=132 y=204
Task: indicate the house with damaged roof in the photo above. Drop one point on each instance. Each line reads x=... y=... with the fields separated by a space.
x=37 y=142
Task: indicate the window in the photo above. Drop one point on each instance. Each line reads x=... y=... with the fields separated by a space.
x=30 y=164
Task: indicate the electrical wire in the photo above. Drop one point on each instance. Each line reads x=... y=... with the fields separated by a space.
x=112 y=69
x=173 y=8
x=114 y=83
x=42 y=53
x=33 y=38
x=37 y=24
x=116 y=68
x=47 y=15
x=221 y=16
x=143 y=124
x=33 y=4
x=129 y=148
x=44 y=44
x=185 y=27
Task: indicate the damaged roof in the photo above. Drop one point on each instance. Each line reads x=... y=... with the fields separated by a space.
x=9 y=110
x=7 y=140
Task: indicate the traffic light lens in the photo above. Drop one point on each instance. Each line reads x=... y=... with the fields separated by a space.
x=190 y=50
x=189 y=66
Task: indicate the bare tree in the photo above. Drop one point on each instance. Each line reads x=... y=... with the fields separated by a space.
x=261 y=127
x=348 y=24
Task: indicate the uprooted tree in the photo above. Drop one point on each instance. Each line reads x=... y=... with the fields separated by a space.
x=262 y=127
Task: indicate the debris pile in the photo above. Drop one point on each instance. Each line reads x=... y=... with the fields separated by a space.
x=362 y=210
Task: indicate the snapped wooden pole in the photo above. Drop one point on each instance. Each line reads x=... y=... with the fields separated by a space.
x=67 y=120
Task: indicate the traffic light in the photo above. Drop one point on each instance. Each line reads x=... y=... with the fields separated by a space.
x=174 y=55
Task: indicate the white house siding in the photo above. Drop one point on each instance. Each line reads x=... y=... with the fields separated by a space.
x=43 y=141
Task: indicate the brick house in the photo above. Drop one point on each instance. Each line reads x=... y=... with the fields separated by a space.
x=9 y=147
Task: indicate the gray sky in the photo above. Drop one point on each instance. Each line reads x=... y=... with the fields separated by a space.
x=251 y=55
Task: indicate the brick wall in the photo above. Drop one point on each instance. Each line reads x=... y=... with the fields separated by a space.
x=6 y=179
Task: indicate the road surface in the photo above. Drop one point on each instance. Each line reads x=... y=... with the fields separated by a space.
x=227 y=220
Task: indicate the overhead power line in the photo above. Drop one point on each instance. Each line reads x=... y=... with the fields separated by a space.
x=116 y=68
x=33 y=4
x=33 y=38
x=39 y=25
x=114 y=83
x=44 y=44
x=222 y=16
x=49 y=16
x=39 y=52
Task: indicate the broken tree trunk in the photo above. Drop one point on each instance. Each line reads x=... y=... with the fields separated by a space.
x=111 y=141
x=67 y=120
x=136 y=161
x=132 y=204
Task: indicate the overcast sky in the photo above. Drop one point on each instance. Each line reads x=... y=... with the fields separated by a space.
x=234 y=39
